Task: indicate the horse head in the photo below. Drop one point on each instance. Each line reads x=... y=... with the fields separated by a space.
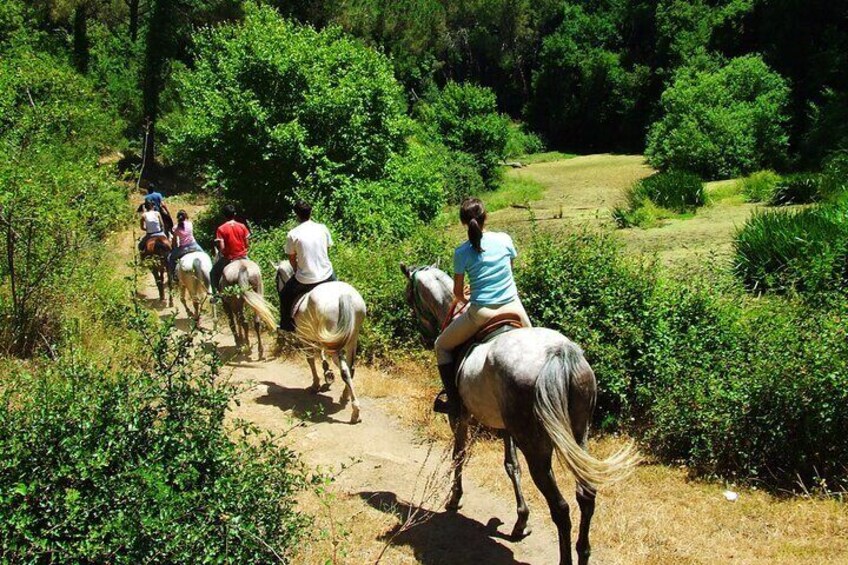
x=429 y=293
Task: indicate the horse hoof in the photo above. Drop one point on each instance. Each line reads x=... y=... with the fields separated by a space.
x=521 y=533
x=355 y=418
x=324 y=387
x=314 y=389
x=329 y=377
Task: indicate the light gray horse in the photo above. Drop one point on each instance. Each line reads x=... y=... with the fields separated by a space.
x=328 y=320
x=192 y=271
x=241 y=283
x=536 y=386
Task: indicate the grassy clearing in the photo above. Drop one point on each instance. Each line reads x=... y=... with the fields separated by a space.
x=514 y=191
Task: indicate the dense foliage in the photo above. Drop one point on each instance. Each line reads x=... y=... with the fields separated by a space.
x=269 y=109
x=54 y=199
x=750 y=392
x=137 y=466
x=759 y=186
x=722 y=122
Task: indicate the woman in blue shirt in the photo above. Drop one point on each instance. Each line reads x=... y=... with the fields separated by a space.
x=487 y=260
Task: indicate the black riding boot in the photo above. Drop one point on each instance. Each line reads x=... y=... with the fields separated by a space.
x=450 y=405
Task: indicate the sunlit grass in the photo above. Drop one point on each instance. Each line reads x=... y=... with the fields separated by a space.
x=514 y=191
x=545 y=157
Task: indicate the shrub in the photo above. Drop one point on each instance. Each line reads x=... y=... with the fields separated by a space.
x=798 y=188
x=747 y=391
x=270 y=109
x=520 y=142
x=137 y=466
x=804 y=251
x=675 y=190
x=466 y=119
x=834 y=178
x=722 y=123
x=759 y=186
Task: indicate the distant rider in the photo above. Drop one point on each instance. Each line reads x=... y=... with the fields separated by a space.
x=307 y=247
x=232 y=239
x=487 y=259
x=182 y=240
x=152 y=224
x=155 y=197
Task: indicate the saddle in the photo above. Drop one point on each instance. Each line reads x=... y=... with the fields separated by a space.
x=495 y=327
x=158 y=246
x=297 y=299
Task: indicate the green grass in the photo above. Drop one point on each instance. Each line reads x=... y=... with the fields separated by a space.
x=513 y=191
x=545 y=157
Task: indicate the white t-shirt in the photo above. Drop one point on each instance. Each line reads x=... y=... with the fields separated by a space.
x=311 y=242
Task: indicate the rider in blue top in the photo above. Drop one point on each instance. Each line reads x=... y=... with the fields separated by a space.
x=487 y=260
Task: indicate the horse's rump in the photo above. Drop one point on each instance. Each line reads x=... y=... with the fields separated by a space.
x=158 y=246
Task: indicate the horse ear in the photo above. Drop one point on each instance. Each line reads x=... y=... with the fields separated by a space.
x=405 y=270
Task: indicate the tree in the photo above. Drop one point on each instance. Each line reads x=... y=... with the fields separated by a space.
x=722 y=122
x=270 y=108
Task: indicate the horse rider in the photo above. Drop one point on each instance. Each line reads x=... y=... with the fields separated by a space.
x=232 y=239
x=152 y=224
x=486 y=257
x=307 y=247
x=155 y=197
x=182 y=240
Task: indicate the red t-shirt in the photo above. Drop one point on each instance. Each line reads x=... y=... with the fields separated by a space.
x=234 y=236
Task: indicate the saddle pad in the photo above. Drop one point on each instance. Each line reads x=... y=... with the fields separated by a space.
x=156 y=246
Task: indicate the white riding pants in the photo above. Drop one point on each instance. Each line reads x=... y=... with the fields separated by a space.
x=470 y=322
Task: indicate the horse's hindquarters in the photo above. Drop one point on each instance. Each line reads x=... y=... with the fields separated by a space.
x=501 y=375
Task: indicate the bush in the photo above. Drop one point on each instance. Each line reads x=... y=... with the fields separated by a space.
x=722 y=123
x=834 y=178
x=271 y=109
x=805 y=251
x=759 y=186
x=466 y=119
x=137 y=466
x=798 y=188
x=675 y=190
x=650 y=199
x=522 y=142
x=746 y=391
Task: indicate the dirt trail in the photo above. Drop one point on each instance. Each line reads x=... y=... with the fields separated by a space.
x=389 y=467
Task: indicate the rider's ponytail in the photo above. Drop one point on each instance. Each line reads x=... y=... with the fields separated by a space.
x=473 y=214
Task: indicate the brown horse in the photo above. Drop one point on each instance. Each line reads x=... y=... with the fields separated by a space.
x=154 y=254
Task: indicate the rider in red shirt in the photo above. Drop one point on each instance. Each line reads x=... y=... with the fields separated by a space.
x=232 y=240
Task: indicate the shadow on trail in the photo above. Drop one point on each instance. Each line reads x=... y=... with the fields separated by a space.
x=443 y=537
x=317 y=408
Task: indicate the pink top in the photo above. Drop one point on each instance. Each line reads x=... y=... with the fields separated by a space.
x=184 y=232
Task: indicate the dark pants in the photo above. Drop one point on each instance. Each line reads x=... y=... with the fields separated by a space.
x=291 y=293
x=178 y=252
x=218 y=270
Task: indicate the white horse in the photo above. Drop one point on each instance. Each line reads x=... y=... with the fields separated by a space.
x=535 y=386
x=241 y=283
x=328 y=320
x=193 y=277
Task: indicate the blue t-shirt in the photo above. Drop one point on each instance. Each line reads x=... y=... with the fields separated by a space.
x=156 y=199
x=489 y=272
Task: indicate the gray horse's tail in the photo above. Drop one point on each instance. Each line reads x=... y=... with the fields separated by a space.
x=255 y=299
x=551 y=407
x=312 y=330
x=201 y=275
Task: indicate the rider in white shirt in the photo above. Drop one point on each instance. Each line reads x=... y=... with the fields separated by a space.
x=307 y=247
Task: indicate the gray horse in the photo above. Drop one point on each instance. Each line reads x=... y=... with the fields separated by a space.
x=328 y=320
x=241 y=283
x=535 y=385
